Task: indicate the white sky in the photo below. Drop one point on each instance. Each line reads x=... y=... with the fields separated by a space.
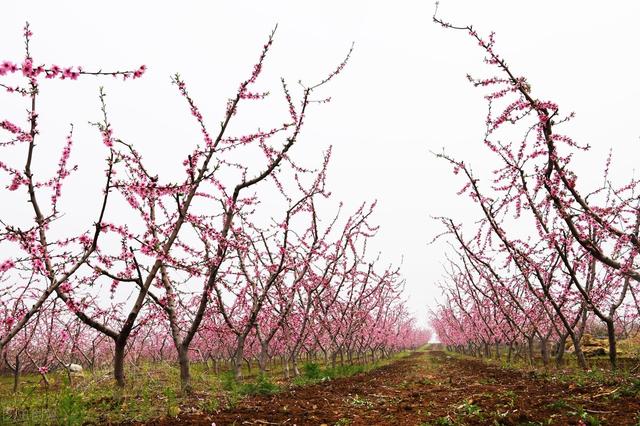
x=404 y=92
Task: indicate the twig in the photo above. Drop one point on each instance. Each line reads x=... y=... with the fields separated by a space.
x=598 y=411
x=605 y=393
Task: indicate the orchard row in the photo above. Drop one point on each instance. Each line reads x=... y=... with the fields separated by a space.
x=199 y=268
x=549 y=257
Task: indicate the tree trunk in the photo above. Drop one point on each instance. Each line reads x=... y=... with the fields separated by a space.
x=611 y=335
x=262 y=359
x=185 y=375
x=582 y=361
x=530 y=349
x=294 y=364
x=118 y=362
x=286 y=367
x=237 y=359
x=544 y=351
x=16 y=375
x=560 y=350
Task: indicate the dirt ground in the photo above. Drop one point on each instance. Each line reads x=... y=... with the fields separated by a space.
x=432 y=388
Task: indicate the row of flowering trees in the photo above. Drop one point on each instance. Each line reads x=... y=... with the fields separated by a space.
x=198 y=267
x=549 y=256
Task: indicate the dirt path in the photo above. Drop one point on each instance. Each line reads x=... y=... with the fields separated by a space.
x=432 y=388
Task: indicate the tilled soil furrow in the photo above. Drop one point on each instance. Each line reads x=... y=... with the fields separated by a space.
x=429 y=388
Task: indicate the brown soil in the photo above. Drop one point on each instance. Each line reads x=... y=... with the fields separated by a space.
x=432 y=388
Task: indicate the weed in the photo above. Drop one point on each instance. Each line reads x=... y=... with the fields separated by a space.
x=631 y=389
x=357 y=401
x=469 y=408
x=312 y=371
x=345 y=370
x=229 y=382
x=173 y=409
x=444 y=421
x=232 y=400
x=70 y=410
x=302 y=381
x=425 y=381
x=262 y=386
x=511 y=397
x=210 y=405
x=558 y=405
x=587 y=418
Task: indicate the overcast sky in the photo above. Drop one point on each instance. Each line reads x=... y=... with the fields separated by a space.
x=403 y=94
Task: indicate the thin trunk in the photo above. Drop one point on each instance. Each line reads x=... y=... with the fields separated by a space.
x=294 y=363
x=237 y=358
x=16 y=377
x=560 y=350
x=185 y=375
x=262 y=358
x=544 y=350
x=582 y=361
x=118 y=362
x=611 y=335
x=286 y=367
x=530 y=349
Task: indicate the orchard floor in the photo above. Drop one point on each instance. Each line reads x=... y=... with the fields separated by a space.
x=434 y=388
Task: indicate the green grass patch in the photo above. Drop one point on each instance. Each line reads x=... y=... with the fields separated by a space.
x=152 y=391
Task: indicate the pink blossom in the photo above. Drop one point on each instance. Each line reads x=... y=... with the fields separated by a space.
x=6 y=265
